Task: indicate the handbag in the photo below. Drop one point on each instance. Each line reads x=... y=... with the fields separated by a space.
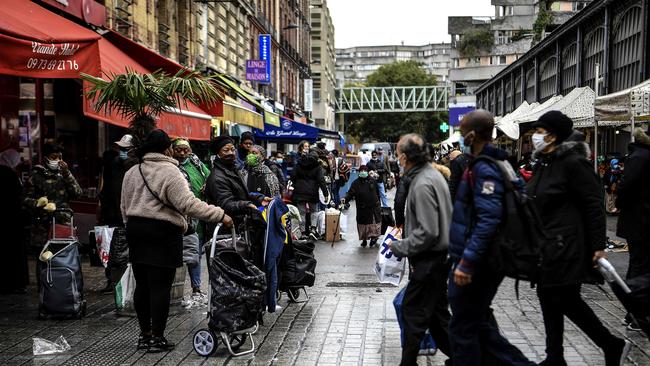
x=191 y=224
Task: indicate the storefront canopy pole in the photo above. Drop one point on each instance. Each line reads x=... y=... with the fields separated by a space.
x=596 y=87
x=632 y=132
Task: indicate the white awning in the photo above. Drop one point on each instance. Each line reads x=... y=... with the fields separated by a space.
x=577 y=105
x=507 y=124
x=622 y=105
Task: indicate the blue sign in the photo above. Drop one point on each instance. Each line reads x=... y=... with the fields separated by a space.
x=290 y=131
x=256 y=70
x=456 y=114
x=265 y=55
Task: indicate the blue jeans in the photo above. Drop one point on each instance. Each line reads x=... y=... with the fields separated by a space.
x=336 y=188
x=195 y=269
x=382 y=194
x=472 y=330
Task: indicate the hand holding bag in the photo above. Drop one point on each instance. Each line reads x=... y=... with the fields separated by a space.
x=388 y=267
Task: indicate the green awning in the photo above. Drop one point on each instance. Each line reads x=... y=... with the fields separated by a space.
x=271 y=118
x=225 y=82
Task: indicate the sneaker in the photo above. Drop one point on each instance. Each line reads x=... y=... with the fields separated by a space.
x=633 y=326
x=143 y=341
x=313 y=237
x=617 y=355
x=160 y=344
x=364 y=243
x=373 y=242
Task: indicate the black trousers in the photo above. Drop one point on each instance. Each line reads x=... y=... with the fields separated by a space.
x=151 y=297
x=639 y=258
x=425 y=307
x=557 y=302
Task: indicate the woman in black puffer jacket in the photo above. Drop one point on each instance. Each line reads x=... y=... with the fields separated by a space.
x=569 y=198
x=307 y=178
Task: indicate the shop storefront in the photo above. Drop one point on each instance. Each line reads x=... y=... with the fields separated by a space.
x=41 y=96
x=286 y=136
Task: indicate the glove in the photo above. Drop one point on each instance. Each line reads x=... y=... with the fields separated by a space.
x=41 y=202
x=50 y=207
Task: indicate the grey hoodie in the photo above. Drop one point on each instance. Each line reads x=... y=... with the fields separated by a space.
x=427 y=215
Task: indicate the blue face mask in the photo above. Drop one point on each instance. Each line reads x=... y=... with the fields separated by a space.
x=279 y=161
x=464 y=149
x=123 y=154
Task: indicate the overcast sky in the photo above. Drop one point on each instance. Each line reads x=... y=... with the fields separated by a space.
x=381 y=22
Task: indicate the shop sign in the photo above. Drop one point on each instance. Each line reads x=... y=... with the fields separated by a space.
x=265 y=55
x=256 y=70
x=309 y=95
x=456 y=114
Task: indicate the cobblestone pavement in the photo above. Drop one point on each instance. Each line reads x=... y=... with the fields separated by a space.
x=349 y=320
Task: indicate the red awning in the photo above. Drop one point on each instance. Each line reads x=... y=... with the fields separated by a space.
x=191 y=122
x=35 y=42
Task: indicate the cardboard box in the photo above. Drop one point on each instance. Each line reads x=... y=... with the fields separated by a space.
x=332 y=227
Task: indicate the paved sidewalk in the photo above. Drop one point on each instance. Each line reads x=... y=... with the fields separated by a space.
x=349 y=320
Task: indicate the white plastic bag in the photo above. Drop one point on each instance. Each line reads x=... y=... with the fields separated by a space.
x=103 y=237
x=44 y=347
x=388 y=267
x=320 y=222
x=124 y=291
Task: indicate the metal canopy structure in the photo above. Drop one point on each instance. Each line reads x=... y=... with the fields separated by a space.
x=392 y=99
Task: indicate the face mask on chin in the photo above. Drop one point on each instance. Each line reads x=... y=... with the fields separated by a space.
x=185 y=161
x=123 y=154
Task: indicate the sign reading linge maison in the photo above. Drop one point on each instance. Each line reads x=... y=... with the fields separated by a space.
x=256 y=70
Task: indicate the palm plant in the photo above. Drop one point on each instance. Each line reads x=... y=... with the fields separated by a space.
x=142 y=97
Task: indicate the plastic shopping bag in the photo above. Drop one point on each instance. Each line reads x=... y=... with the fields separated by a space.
x=103 y=237
x=427 y=345
x=42 y=346
x=388 y=267
x=191 y=246
x=124 y=291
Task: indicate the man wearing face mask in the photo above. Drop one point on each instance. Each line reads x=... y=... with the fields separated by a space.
x=50 y=187
x=375 y=164
x=114 y=167
x=477 y=215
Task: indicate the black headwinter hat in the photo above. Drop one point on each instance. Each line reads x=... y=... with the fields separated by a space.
x=219 y=142
x=556 y=123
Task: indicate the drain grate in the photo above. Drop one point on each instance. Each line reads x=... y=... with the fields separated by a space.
x=359 y=284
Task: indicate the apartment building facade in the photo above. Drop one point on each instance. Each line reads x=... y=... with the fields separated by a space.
x=323 y=65
x=354 y=64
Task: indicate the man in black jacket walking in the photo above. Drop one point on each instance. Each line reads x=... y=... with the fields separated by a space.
x=634 y=202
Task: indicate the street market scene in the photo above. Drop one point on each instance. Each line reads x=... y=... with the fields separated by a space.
x=325 y=182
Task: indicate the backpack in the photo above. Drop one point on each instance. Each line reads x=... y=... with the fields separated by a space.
x=516 y=250
x=343 y=171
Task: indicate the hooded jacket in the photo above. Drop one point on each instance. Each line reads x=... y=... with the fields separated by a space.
x=634 y=191
x=307 y=178
x=427 y=215
x=569 y=198
x=478 y=210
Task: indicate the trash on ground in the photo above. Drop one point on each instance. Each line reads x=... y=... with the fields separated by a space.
x=45 y=347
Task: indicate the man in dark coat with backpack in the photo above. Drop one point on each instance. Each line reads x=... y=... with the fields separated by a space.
x=476 y=218
x=569 y=198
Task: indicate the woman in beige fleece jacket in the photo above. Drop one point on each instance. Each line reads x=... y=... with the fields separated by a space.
x=155 y=201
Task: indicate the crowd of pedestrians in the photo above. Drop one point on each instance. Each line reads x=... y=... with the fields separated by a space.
x=164 y=198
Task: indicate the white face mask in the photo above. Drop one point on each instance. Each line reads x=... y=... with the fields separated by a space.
x=538 y=141
x=53 y=164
